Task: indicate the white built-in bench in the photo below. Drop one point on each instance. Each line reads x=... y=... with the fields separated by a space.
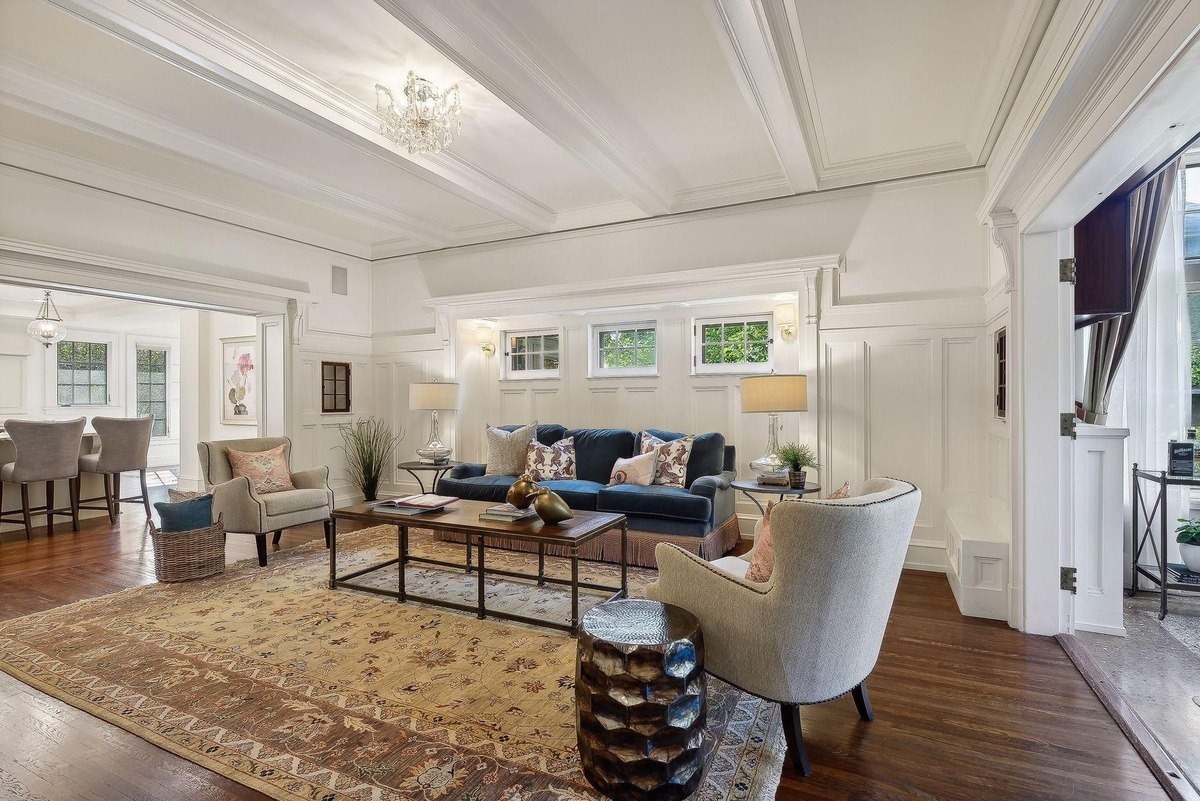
x=978 y=557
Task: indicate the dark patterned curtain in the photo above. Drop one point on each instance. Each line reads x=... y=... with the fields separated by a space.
x=1149 y=206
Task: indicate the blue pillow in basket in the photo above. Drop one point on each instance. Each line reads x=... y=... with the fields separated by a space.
x=186 y=515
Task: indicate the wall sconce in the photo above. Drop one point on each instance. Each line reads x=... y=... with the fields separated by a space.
x=483 y=335
x=785 y=319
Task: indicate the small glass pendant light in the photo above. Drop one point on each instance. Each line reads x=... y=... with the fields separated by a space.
x=47 y=328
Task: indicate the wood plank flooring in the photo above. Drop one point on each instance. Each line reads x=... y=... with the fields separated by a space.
x=965 y=708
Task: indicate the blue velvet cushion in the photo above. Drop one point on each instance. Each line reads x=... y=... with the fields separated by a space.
x=655 y=500
x=186 y=515
x=547 y=433
x=708 y=453
x=578 y=494
x=598 y=449
x=476 y=488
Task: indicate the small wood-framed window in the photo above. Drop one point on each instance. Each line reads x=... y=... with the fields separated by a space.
x=1001 y=377
x=335 y=387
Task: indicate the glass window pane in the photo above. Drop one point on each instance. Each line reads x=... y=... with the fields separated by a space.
x=82 y=395
x=710 y=333
x=607 y=339
x=711 y=354
x=533 y=344
x=65 y=396
x=326 y=371
x=757 y=332
x=158 y=378
x=625 y=339
x=65 y=376
x=81 y=378
x=551 y=361
x=518 y=345
x=98 y=377
x=534 y=361
x=99 y=395
x=646 y=337
x=756 y=353
x=64 y=351
x=327 y=386
x=1191 y=233
x=550 y=342
x=143 y=393
x=645 y=357
x=518 y=362
x=160 y=427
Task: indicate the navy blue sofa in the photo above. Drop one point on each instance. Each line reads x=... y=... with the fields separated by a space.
x=698 y=517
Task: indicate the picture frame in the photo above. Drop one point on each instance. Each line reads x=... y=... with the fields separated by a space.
x=239 y=381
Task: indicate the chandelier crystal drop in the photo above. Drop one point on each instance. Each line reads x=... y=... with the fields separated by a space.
x=47 y=328
x=428 y=120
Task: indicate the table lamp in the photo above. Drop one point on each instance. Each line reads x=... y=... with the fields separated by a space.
x=771 y=395
x=433 y=397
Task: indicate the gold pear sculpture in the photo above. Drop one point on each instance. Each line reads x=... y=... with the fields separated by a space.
x=550 y=507
x=521 y=493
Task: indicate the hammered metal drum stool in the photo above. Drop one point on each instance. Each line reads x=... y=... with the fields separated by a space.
x=640 y=701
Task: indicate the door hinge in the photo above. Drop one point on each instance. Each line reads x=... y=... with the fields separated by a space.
x=1066 y=579
x=1066 y=424
x=1066 y=271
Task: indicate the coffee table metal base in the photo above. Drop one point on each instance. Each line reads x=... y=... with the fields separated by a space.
x=480 y=609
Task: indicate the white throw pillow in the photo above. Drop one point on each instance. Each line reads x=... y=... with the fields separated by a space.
x=637 y=470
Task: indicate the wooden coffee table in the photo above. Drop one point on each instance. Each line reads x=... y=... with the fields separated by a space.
x=463 y=518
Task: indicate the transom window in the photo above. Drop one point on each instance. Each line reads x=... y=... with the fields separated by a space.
x=152 y=388
x=532 y=354
x=625 y=349
x=734 y=344
x=82 y=373
x=335 y=387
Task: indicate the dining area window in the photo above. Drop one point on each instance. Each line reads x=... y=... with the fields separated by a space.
x=151 y=383
x=83 y=372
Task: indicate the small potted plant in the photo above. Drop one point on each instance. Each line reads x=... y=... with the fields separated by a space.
x=797 y=458
x=1188 y=537
x=368 y=445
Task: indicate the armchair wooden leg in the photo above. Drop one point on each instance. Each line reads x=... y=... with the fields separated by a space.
x=863 y=702
x=261 y=541
x=73 y=489
x=25 y=511
x=795 y=738
x=145 y=492
x=108 y=502
x=49 y=507
x=275 y=539
x=327 y=521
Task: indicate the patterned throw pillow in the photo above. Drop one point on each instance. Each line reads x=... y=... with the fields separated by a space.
x=670 y=469
x=762 y=561
x=506 y=449
x=637 y=470
x=550 y=462
x=267 y=470
x=840 y=493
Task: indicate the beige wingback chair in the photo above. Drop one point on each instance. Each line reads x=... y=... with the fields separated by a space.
x=243 y=510
x=812 y=632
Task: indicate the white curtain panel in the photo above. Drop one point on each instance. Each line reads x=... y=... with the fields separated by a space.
x=1151 y=393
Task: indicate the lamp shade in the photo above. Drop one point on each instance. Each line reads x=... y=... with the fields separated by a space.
x=432 y=396
x=775 y=393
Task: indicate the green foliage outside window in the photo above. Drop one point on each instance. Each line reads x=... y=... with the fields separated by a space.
x=741 y=342
x=628 y=348
x=82 y=373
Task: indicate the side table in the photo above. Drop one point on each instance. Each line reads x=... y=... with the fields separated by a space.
x=750 y=488
x=438 y=470
x=640 y=704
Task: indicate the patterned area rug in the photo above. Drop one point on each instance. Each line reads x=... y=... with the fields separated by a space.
x=268 y=677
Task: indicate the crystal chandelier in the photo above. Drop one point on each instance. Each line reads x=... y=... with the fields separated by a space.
x=428 y=120
x=47 y=328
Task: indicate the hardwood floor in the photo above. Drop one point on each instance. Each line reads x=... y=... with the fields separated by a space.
x=965 y=708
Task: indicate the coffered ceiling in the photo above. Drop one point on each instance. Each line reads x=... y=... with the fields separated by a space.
x=576 y=112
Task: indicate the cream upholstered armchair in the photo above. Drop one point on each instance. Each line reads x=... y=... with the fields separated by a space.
x=812 y=632
x=243 y=510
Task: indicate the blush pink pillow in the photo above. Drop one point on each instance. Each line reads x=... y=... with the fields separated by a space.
x=267 y=470
x=762 y=561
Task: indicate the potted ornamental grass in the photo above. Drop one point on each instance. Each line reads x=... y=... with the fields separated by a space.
x=797 y=459
x=368 y=445
x=1188 y=537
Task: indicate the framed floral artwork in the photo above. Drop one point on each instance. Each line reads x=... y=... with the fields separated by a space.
x=239 y=384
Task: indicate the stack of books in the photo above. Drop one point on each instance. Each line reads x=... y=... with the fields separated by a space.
x=415 y=504
x=506 y=513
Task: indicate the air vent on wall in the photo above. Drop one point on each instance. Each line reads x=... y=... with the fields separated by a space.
x=341 y=280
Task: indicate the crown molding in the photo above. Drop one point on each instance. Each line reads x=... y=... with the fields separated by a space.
x=201 y=45
x=751 y=53
x=555 y=95
x=58 y=100
x=742 y=190
x=679 y=286
x=121 y=186
x=242 y=291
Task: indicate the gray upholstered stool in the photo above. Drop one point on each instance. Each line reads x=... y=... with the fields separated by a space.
x=124 y=448
x=46 y=451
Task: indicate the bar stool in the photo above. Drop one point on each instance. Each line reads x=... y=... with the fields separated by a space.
x=124 y=447
x=46 y=451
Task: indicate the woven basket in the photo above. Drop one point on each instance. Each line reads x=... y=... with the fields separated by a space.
x=187 y=555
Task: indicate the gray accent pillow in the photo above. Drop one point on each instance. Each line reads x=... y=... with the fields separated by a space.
x=506 y=450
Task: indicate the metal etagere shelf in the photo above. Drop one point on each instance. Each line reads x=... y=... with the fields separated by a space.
x=1166 y=576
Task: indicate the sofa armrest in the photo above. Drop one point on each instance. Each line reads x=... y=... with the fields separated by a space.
x=718 y=489
x=314 y=478
x=466 y=470
x=238 y=506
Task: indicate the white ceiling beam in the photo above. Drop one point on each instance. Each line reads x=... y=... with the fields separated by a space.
x=753 y=58
x=51 y=97
x=198 y=44
x=571 y=110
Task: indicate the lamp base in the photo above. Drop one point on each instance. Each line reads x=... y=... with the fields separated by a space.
x=434 y=451
x=769 y=465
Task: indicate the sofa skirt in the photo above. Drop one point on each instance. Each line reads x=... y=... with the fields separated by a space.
x=607 y=547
